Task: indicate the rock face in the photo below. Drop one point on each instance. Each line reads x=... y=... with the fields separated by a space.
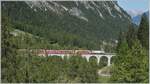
x=91 y=21
x=79 y=8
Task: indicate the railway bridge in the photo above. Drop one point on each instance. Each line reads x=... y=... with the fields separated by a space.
x=83 y=53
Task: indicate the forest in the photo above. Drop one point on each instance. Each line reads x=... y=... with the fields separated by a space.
x=18 y=31
x=130 y=65
x=132 y=61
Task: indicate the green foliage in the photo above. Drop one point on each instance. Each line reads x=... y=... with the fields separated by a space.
x=104 y=79
x=8 y=57
x=131 y=35
x=118 y=69
x=19 y=65
x=103 y=62
x=143 y=32
x=121 y=39
x=55 y=70
x=131 y=65
x=54 y=32
x=132 y=62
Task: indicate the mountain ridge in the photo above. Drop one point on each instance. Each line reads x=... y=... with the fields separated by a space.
x=82 y=24
x=59 y=7
x=137 y=19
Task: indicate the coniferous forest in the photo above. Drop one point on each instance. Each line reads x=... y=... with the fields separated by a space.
x=130 y=65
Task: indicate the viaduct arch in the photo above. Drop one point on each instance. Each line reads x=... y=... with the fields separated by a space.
x=98 y=57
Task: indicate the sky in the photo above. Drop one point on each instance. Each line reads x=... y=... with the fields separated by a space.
x=134 y=7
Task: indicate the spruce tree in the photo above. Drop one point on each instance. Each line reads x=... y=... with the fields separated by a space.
x=139 y=65
x=131 y=64
x=120 y=64
x=9 y=65
x=131 y=35
x=143 y=32
x=121 y=39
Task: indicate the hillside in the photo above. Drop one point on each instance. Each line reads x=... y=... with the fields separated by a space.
x=25 y=40
x=75 y=23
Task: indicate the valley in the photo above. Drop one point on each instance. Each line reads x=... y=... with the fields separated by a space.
x=72 y=42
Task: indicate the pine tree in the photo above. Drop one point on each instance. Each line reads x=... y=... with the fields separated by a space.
x=143 y=32
x=131 y=35
x=120 y=63
x=121 y=39
x=9 y=65
x=131 y=64
x=140 y=63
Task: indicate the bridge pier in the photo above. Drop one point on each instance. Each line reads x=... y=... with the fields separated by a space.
x=109 y=60
x=87 y=58
x=98 y=59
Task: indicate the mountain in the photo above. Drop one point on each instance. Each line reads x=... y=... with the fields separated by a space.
x=86 y=24
x=137 y=19
x=147 y=14
x=134 y=13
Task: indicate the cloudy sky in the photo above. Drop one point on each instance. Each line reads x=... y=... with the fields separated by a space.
x=134 y=7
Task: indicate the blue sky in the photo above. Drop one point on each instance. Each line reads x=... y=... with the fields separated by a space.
x=134 y=6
